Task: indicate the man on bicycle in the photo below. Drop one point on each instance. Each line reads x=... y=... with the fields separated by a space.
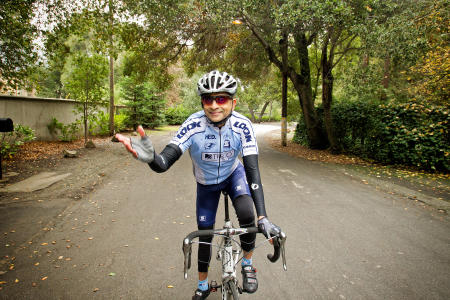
x=215 y=136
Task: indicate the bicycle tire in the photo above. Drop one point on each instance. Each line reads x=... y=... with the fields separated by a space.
x=232 y=290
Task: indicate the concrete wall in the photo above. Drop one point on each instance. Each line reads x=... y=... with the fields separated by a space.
x=37 y=112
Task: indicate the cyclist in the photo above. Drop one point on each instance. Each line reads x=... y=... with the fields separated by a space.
x=215 y=137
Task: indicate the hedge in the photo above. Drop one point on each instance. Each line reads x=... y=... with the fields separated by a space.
x=412 y=134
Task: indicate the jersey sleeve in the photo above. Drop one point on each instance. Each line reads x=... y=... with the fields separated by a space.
x=248 y=138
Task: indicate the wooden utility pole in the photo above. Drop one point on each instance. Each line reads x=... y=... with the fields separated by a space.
x=111 y=69
x=284 y=55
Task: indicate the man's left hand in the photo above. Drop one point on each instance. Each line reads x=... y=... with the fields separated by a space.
x=268 y=229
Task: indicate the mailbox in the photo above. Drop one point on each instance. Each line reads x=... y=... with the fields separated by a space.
x=6 y=125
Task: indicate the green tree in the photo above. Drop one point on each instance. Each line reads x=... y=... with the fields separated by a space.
x=261 y=93
x=86 y=83
x=145 y=102
x=430 y=76
x=17 y=32
x=266 y=36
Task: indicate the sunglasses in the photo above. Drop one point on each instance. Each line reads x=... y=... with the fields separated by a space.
x=220 y=100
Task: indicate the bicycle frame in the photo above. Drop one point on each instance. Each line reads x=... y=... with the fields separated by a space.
x=228 y=255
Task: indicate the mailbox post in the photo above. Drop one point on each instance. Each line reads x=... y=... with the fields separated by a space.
x=6 y=125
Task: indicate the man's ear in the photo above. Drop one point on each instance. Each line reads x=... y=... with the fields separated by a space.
x=234 y=102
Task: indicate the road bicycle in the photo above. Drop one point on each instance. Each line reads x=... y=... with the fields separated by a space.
x=229 y=253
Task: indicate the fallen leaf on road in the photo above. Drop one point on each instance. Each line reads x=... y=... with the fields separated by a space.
x=2 y=282
x=61 y=257
x=170 y=286
x=68 y=259
x=16 y=281
x=156 y=238
x=44 y=278
x=34 y=284
x=90 y=238
x=44 y=244
x=36 y=264
x=53 y=242
x=96 y=290
x=112 y=274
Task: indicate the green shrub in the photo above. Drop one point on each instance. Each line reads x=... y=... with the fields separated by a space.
x=273 y=118
x=120 y=122
x=176 y=115
x=10 y=142
x=99 y=123
x=413 y=134
x=65 y=133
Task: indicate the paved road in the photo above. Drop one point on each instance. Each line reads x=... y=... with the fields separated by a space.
x=346 y=239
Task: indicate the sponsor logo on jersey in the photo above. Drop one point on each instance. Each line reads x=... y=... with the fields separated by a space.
x=245 y=130
x=209 y=146
x=215 y=157
x=226 y=144
x=210 y=137
x=188 y=127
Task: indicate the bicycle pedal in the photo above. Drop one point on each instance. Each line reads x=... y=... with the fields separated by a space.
x=214 y=286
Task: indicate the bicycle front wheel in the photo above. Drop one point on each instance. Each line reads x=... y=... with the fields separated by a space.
x=232 y=290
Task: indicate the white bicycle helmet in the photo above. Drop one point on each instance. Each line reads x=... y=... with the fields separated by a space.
x=217 y=82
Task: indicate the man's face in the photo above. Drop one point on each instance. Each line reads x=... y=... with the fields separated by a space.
x=215 y=110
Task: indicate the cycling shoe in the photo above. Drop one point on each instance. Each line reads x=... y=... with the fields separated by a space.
x=200 y=295
x=249 y=281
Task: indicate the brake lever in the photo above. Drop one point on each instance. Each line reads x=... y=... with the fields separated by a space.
x=187 y=250
x=283 y=254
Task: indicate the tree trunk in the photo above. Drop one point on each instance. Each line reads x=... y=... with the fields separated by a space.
x=302 y=84
x=284 y=111
x=261 y=114
x=284 y=60
x=252 y=114
x=327 y=97
x=270 y=111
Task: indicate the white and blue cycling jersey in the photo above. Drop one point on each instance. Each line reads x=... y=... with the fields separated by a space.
x=214 y=151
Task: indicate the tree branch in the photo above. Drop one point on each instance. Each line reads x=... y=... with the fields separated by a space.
x=272 y=56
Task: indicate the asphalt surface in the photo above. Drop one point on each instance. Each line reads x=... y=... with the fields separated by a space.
x=346 y=239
